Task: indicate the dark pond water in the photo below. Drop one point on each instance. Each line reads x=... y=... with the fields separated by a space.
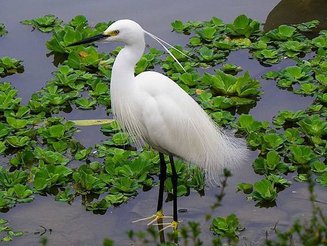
x=72 y=224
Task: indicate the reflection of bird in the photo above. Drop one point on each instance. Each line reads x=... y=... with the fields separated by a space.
x=153 y=109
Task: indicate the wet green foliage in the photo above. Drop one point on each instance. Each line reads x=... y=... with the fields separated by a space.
x=75 y=30
x=226 y=226
x=3 y=30
x=10 y=66
x=297 y=140
x=45 y=23
x=45 y=158
x=7 y=233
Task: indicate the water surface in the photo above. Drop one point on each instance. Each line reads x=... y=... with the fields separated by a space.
x=72 y=224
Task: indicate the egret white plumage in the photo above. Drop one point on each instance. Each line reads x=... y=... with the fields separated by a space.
x=153 y=109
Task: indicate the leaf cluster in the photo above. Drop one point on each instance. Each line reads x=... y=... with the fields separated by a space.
x=7 y=232
x=3 y=30
x=45 y=23
x=9 y=66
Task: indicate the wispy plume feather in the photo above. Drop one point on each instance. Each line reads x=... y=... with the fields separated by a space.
x=163 y=43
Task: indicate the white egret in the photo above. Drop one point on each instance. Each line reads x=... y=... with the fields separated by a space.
x=153 y=109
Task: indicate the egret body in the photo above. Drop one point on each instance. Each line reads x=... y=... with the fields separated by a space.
x=153 y=109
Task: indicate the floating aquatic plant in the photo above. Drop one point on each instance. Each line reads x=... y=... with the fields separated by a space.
x=9 y=66
x=3 y=30
x=45 y=23
x=44 y=156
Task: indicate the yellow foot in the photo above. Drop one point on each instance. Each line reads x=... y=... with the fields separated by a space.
x=173 y=224
x=158 y=216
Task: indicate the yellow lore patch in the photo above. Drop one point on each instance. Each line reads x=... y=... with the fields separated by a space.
x=111 y=33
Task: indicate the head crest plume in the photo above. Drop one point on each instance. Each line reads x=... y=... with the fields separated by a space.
x=163 y=43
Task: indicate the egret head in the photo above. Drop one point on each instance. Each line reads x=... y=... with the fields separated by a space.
x=130 y=33
x=126 y=31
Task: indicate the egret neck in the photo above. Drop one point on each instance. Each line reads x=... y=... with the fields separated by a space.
x=123 y=88
x=124 y=66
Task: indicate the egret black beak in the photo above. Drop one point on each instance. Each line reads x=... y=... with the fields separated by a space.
x=89 y=40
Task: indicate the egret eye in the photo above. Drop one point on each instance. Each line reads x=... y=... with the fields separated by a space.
x=114 y=33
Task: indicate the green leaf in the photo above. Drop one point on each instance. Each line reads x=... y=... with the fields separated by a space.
x=245 y=187
x=18 y=142
x=179 y=27
x=302 y=177
x=292 y=135
x=286 y=31
x=9 y=66
x=65 y=195
x=231 y=68
x=120 y=138
x=50 y=157
x=10 y=179
x=264 y=190
x=4 y=130
x=45 y=23
x=124 y=185
x=319 y=167
x=56 y=131
x=195 y=41
x=226 y=226
x=283 y=32
x=273 y=159
x=244 y=26
x=279 y=181
x=313 y=125
x=190 y=79
x=21 y=192
x=2 y=147
x=3 y=30
x=78 y=22
x=85 y=103
x=116 y=198
x=8 y=100
x=273 y=140
x=284 y=117
x=247 y=123
x=50 y=175
x=17 y=123
x=267 y=56
x=101 y=205
x=206 y=53
x=6 y=239
x=320 y=41
x=87 y=180
x=82 y=57
x=301 y=154
x=82 y=154
x=322 y=179
x=307 y=26
x=207 y=33
x=101 y=88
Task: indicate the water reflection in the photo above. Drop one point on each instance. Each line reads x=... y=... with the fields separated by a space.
x=298 y=11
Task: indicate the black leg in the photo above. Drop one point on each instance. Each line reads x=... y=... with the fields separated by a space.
x=174 y=182
x=162 y=178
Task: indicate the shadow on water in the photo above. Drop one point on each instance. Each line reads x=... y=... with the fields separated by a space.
x=71 y=224
x=298 y=11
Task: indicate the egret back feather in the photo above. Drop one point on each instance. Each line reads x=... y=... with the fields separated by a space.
x=174 y=123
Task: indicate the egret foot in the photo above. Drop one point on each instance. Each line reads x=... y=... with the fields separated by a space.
x=158 y=216
x=173 y=224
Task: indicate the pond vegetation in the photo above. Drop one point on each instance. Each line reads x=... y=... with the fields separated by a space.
x=42 y=156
